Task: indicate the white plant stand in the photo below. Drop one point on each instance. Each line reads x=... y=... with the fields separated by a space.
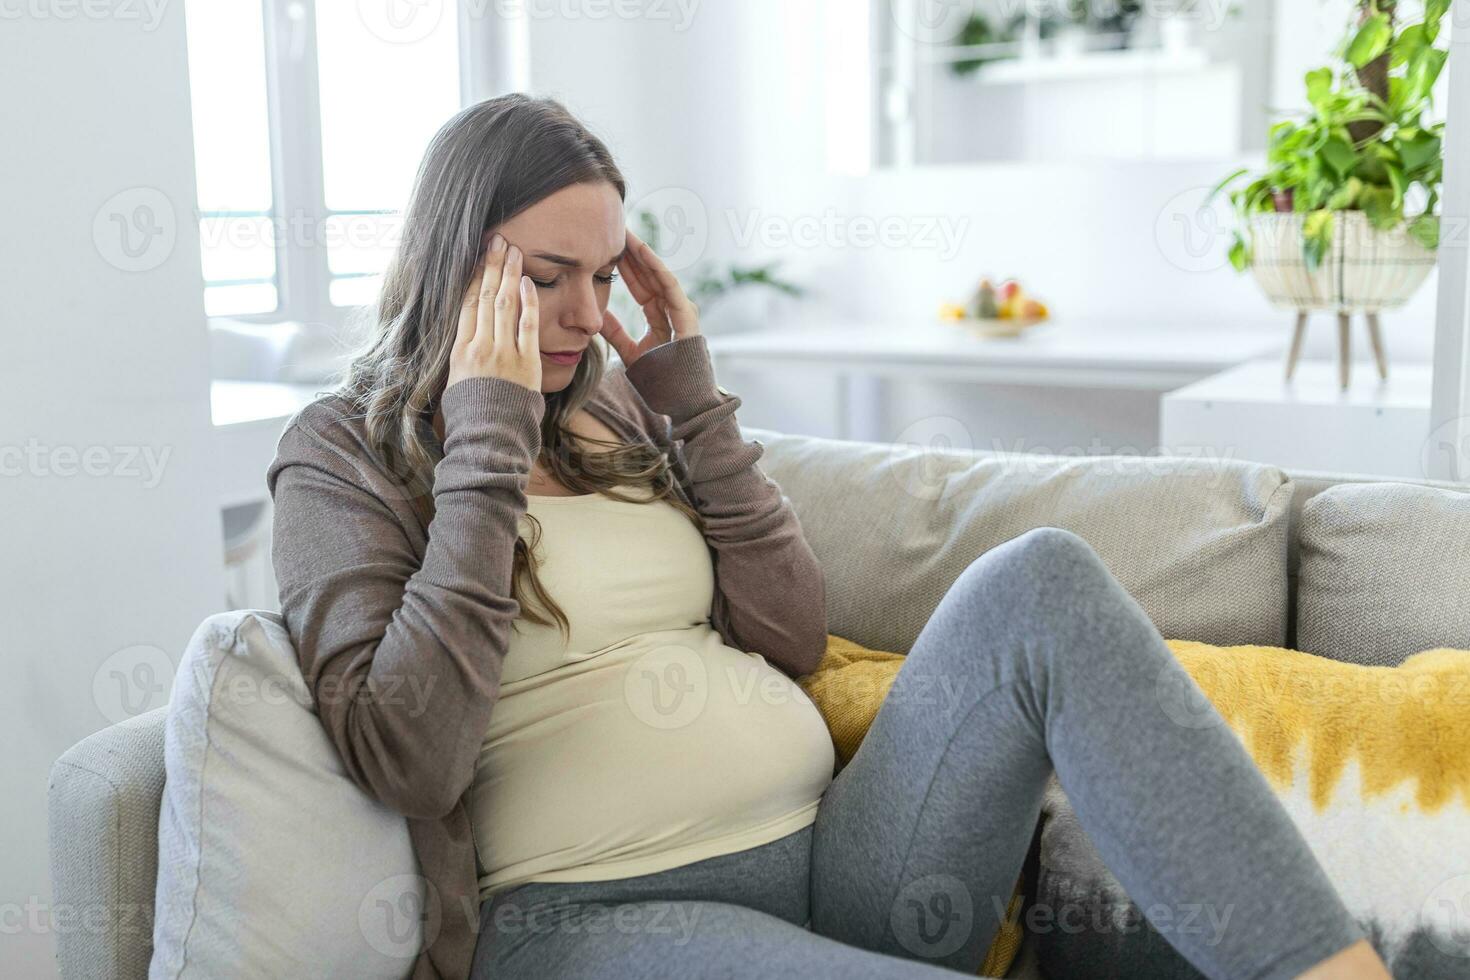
x=1344 y=346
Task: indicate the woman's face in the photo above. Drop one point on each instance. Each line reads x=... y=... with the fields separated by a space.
x=572 y=242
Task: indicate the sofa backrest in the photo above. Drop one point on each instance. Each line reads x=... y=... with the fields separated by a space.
x=1201 y=544
x=1211 y=548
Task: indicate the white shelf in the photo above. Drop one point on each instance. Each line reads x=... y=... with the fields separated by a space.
x=1250 y=412
x=1092 y=65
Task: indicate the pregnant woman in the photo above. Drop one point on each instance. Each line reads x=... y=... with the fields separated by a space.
x=551 y=612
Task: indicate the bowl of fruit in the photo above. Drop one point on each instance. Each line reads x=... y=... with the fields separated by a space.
x=997 y=311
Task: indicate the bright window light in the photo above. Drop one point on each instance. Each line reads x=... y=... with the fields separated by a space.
x=382 y=100
x=232 y=156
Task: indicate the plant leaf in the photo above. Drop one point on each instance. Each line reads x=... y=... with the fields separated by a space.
x=1410 y=42
x=1370 y=41
x=1316 y=237
x=1421 y=74
x=1319 y=87
x=1240 y=256
x=1339 y=155
x=1418 y=151
x=1434 y=11
x=1425 y=230
x=1399 y=185
x=1221 y=186
x=1346 y=195
x=1377 y=204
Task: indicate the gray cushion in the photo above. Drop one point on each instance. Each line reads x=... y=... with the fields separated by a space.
x=1385 y=572
x=1201 y=544
x=103 y=801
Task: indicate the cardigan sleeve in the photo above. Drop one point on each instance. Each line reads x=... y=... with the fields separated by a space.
x=771 y=595
x=404 y=657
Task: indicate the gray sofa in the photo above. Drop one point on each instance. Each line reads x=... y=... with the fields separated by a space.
x=1219 y=551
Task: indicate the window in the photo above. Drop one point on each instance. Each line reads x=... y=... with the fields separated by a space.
x=232 y=157
x=309 y=122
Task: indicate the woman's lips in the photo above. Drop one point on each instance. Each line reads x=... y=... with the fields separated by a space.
x=571 y=358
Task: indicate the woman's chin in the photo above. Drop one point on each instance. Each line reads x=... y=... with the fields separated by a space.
x=555 y=377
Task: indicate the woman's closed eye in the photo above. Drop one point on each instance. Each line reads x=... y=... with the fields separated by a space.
x=606 y=280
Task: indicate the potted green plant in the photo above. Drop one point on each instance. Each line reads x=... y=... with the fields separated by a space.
x=1344 y=216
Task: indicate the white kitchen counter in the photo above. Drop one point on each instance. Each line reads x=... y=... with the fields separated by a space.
x=1075 y=353
x=855 y=365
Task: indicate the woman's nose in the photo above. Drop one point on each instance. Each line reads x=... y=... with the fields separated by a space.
x=585 y=312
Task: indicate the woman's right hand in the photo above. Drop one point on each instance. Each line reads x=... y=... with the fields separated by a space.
x=499 y=333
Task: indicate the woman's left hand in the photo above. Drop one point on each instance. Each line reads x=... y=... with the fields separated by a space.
x=670 y=313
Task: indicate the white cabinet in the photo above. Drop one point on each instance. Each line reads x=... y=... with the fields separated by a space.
x=1377 y=428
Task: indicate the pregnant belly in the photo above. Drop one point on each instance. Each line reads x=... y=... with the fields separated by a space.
x=659 y=744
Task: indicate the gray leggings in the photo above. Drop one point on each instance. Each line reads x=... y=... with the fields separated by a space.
x=1035 y=659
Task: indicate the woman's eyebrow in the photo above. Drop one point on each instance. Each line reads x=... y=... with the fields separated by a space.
x=573 y=263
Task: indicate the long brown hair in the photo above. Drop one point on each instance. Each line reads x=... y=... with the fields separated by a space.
x=487 y=164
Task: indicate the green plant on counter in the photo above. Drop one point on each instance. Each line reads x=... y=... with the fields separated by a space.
x=978 y=30
x=710 y=283
x=1366 y=144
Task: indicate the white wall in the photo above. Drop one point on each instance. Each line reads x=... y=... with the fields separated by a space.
x=733 y=109
x=109 y=562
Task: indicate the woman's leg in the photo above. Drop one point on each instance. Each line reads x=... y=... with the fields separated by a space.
x=734 y=916
x=1037 y=659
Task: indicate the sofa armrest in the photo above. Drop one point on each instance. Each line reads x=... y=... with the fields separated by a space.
x=103 y=802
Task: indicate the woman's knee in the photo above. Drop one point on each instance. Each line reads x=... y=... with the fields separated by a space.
x=1042 y=558
x=1045 y=585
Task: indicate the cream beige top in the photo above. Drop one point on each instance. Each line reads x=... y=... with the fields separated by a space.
x=646 y=742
